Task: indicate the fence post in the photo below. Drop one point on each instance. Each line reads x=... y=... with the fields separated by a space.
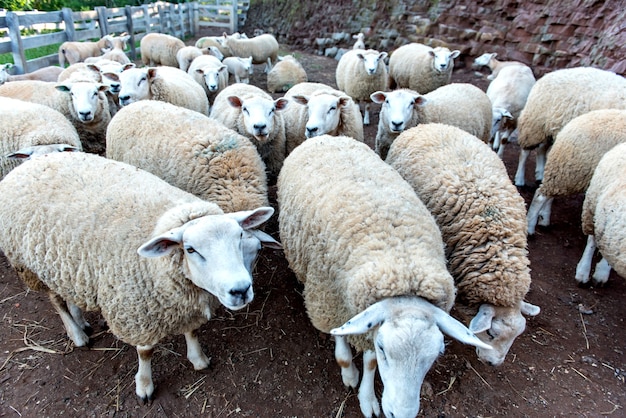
x=146 y=16
x=194 y=19
x=19 y=59
x=163 y=20
x=130 y=29
x=234 y=18
x=68 y=18
x=102 y=20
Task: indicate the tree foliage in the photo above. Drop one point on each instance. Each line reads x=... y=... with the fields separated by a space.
x=77 y=5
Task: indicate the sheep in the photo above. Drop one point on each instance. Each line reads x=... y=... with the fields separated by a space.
x=210 y=73
x=604 y=218
x=488 y=59
x=28 y=129
x=239 y=68
x=318 y=109
x=508 y=93
x=82 y=102
x=557 y=98
x=121 y=241
x=214 y=42
x=160 y=49
x=263 y=48
x=115 y=53
x=253 y=113
x=82 y=70
x=458 y=104
x=481 y=216
x=421 y=68
x=360 y=41
x=578 y=148
x=73 y=52
x=49 y=73
x=286 y=73
x=167 y=84
x=366 y=266
x=360 y=73
x=186 y=55
x=211 y=161
x=215 y=51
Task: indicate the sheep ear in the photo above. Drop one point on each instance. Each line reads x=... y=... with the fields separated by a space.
x=128 y=66
x=455 y=329
x=378 y=97
x=360 y=56
x=152 y=72
x=162 y=244
x=234 y=101
x=364 y=321
x=281 y=104
x=65 y=88
x=530 y=309
x=455 y=54
x=382 y=55
x=249 y=219
x=420 y=100
x=303 y=100
x=266 y=239
x=482 y=321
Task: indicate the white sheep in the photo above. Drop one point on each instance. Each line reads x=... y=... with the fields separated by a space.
x=49 y=73
x=167 y=84
x=210 y=73
x=160 y=49
x=367 y=251
x=186 y=55
x=28 y=129
x=458 y=104
x=81 y=70
x=214 y=42
x=254 y=114
x=488 y=59
x=239 y=68
x=139 y=245
x=360 y=73
x=115 y=53
x=286 y=73
x=318 y=109
x=210 y=161
x=82 y=102
x=578 y=148
x=557 y=98
x=360 y=41
x=263 y=48
x=73 y=51
x=508 y=93
x=604 y=218
x=481 y=215
x=421 y=68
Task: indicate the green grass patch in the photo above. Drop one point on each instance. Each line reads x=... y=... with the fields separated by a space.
x=32 y=53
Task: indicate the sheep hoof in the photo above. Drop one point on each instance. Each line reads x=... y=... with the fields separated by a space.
x=146 y=400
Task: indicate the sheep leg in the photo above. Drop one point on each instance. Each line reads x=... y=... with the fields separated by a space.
x=77 y=314
x=545 y=212
x=268 y=65
x=144 y=387
x=73 y=329
x=194 y=351
x=534 y=210
x=367 y=396
x=540 y=161
x=366 y=114
x=496 y=141
x=520 y=174
x=343 y=356
x=602 y=272
x=584 y=265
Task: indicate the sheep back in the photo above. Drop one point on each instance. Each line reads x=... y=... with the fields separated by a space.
x=209 y=161
x=285 y=74
x=481 y=215
x=173 y=85
x=354 y=232
x=352 y=78
x=160 y=49
x=260 y=48
x=411 y=66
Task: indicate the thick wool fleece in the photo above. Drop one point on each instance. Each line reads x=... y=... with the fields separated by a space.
x=481 y=214
x=87 y=217
x=190 y=151
x=354 y=232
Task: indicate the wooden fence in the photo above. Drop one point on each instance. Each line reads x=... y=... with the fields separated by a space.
x=181 y=20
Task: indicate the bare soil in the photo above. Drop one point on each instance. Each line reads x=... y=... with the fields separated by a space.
x=269 y=361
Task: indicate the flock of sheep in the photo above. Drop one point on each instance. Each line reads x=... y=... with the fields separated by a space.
x=159 y=219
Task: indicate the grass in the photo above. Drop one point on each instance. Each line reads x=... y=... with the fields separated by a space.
x=31 y=53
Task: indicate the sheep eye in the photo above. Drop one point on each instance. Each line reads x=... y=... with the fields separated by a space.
x=332 y=108
x=245 y=110
x=491 y=336
x=190 y=250
x=382 y=352
x=141 y=80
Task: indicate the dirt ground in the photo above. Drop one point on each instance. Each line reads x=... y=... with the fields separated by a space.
x=269 y=361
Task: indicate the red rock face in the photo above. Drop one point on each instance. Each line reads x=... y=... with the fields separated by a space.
x=546 y=34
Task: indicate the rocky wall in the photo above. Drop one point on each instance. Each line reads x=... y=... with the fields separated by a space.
x=546 y=34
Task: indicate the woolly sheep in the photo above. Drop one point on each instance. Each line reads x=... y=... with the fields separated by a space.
x=286 y=73
x=604 y=218
x=360 y=73
x=488 y=59
x=253 y=113
x=211 y=161
x=458 y=104
x=81 y=70
x=360 y=41
x=210 y=73
x=83 y=103
x=28 y=129
x=557 y=98
x=73 y=52
x=186 y=55
x=115 y=53
x=167 y=84
x=49 y=73
x=216 y=42
x=578 y=148
x=421 y=68
x=318 y=109
x=263 y=48
x=481 y=216
x=139 y=244
x=508 y=93
x=160 y=49
x=366 y=266
x=239 y=68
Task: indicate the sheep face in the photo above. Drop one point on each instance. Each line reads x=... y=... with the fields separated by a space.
x=372 y=62
x=258 y=115
x=85 y=98
x=443 y=59
x=135 y=85
x=213 y=50
x=398 y=106
x=211 y=76
x=4 y=72
x=484 y=59
x=324 y=111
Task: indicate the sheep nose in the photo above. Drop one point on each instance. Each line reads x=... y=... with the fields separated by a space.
x=396 y=126
x=124 y=98
x=85 y=115
x=311 y=131
x=240 y=292
x=260 y=126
